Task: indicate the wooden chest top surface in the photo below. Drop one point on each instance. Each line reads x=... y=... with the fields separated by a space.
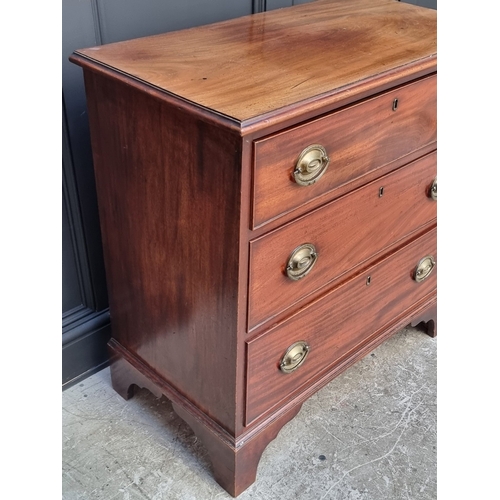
x=248 y=67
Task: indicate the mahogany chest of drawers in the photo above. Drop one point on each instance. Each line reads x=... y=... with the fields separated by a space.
x=267 y=192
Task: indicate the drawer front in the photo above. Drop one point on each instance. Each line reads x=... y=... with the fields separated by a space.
x=344 y=233
x=335 y=326
x=357 y=140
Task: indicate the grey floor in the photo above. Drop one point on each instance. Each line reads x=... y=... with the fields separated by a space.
x=368 y=435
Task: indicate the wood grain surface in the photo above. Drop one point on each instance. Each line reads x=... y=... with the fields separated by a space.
x=358 y=140
x=336 y=325
x=250 y=66
x=171 y=239
x=346 y=232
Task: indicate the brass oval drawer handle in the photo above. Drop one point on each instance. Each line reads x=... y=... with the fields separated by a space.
x=294 y=356
x=433 y=191
x=301 y=261
x=311 y=165
x=424 y=268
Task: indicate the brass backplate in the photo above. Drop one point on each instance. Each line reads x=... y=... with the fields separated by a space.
x=301 y=261
x=311 y=165
x=424 y=268
x=294 y=356
x=433 y=191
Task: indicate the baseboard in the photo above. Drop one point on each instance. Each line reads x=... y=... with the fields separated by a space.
x=84 y=350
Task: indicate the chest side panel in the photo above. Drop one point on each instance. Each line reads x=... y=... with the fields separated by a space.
x=169 y=200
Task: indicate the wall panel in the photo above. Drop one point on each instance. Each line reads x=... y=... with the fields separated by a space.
x=85 y=317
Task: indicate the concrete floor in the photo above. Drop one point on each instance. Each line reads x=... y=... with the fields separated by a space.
x=368 y=435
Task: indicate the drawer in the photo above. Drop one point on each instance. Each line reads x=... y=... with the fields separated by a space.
x=358 y=139
x=336 y=325
x=344 y=233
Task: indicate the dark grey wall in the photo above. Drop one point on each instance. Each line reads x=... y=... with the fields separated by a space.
x=430 y=4
x=85 y=317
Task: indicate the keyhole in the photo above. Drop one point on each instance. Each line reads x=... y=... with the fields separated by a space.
x=368 y=281
x=381 y=192
x=395 y=104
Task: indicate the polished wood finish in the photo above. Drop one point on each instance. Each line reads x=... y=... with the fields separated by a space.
x=254 y=65
x=334 y=326
x=184 y=128
x=428 y=320
x=234 y=461
x=172 y=278
x=380 y=221
x=358 y=140
x=235 y=466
